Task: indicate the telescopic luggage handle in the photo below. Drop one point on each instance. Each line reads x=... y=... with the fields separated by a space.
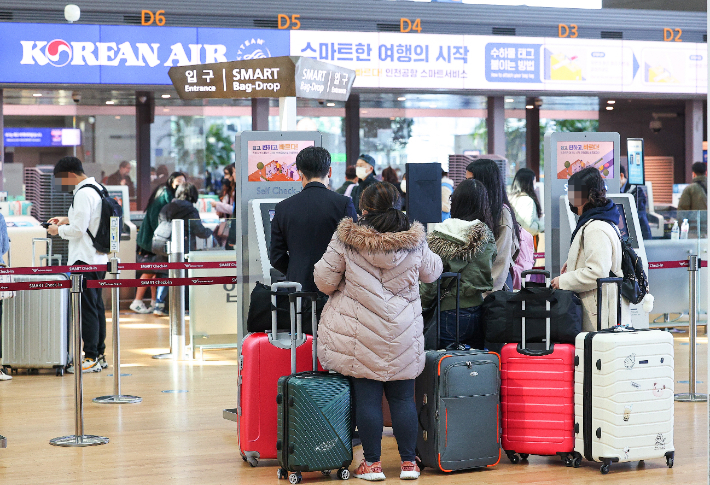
x=292 y=299
x=274 y=309
x=438 y=306
x=600 y=283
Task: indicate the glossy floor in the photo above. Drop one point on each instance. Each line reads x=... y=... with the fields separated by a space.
x=177 y=434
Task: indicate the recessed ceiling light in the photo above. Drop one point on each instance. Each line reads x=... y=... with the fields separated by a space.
x=529 y=106
x=37 y=95
x=165 y=110
x=392 y=118
x=110 y=102
x=401 y=98
x=330 y=104
x=165 y=96
x=432 y=105
x=610 y=101
x=364 y=111
x=509 y=100
x=117 y=117
x=609 y=108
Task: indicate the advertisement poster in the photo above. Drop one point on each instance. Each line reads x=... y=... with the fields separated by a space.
x=634 y=148
x=274 y=161
x=575 y=156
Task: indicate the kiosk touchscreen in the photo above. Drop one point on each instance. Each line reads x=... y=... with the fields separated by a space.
x=261 y=213
x=628 y=227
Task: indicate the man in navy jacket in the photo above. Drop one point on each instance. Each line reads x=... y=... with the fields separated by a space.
x=304 y=223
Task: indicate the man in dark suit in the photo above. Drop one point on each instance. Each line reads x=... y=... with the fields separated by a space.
x=304 y=223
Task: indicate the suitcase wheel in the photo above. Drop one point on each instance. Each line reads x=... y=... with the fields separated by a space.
x=577 y=460
x=604 y=469
x=295 y=478
x=326 y=473
x=344 y=474
x=419 y=462
x=514 y=458
x=281 y=474
x=669 y=461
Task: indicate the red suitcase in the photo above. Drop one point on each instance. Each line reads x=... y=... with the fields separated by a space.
x=537 y=398
x=264 y=358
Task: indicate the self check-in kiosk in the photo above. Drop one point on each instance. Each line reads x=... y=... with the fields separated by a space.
x=266 y=174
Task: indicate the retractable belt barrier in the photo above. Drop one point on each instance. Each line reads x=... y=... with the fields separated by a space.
x=135 y=283
x=89 y=268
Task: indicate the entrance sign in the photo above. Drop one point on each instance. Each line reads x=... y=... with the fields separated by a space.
x=274 y=77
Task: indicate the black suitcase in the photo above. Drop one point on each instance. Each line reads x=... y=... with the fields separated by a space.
x=314 y=414
x=458 y=403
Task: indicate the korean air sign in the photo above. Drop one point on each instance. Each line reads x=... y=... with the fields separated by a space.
x=109 y=54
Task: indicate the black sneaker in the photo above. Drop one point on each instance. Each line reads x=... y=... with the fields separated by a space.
x=102 y=361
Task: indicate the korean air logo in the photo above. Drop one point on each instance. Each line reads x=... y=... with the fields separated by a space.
x=58 y=53
x=253 y=49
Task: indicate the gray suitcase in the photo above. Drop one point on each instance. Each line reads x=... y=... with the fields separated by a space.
x=35 y=326
x=458 y=403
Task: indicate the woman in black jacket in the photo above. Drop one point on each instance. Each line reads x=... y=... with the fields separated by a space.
x=182 y=207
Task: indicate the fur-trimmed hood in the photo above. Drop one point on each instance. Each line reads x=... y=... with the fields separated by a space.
x=458 y=239
x=383 y=250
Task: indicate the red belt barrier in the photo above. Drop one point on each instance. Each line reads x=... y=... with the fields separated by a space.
x=88 y=268
x=136 y=283
x=673 y=264
x=35 y=285
x=538 y=255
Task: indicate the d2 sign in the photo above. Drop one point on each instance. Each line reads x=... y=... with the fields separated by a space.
x=271 y=77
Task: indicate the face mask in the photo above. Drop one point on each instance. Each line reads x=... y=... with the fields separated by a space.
x=572 y=208
x=403 y=186
x=361 y=172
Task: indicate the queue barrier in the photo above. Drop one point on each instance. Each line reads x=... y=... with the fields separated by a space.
x=121 y=266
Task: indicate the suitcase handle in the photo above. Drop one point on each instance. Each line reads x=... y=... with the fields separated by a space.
x=522 y=345
x=457 y=342
x=274 y=288
x=292 y=299
x=535 y=271
x=601 y=282
x=48 y=240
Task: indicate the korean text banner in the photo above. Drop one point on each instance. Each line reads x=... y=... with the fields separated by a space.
x=515 y=63
x=111 y=54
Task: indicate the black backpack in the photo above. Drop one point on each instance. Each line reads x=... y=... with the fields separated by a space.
x=109 y=208
x=635 y=284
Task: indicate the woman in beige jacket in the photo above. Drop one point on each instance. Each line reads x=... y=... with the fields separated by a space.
x=371 y=327
x=595 y=251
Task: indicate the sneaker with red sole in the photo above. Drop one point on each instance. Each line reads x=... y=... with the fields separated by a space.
x=372 y=473
x=410 y=471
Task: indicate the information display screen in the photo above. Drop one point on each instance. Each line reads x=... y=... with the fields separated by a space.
x=575 y=156
x=634 y=149
x=274 y=161
x=42 y=137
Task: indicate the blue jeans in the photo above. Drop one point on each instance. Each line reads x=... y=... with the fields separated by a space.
x=368 y=415
x=160 y=294
x=471 y=331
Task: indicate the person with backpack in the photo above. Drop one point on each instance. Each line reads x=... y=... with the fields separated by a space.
x=695 y=195
x=181 y=207
x=466 y=245
x=595 y=250
x=506 y=229
x=80 y=227
x=371 y=327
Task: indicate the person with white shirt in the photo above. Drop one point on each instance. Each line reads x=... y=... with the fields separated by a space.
x=84 y=216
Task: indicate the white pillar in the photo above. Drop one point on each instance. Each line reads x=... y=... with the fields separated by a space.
x=287 y=114
x=693 y=135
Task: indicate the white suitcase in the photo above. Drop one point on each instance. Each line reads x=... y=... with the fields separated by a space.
x=623 y=394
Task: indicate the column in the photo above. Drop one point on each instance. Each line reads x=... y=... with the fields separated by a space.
x=145 y=110
x=260 y=114
x=693 y=136
x=287 y=114
x=496 y=125
x=352 y=129
x=532 y=134
x=2 y=142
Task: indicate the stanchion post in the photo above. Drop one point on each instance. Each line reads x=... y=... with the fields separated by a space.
x=117 y=397
x=177 y=293
x=691 y=395
x=78 y=438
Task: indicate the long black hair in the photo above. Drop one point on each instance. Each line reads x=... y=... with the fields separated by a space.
x=590 y=182
x=470 y=202
x=486 y=171
x=168 y=185
x=524 y=182
x=381 y=201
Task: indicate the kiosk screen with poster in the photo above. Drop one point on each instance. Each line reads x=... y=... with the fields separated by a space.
x=274 y=161
x=575 y=156
x=634 y=150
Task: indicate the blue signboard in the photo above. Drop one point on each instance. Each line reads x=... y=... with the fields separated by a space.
x=42 y=137
x=515 y=63
x=110 y=54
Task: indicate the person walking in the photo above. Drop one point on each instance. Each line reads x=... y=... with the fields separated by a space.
x=595 y=250
x=371 y=328
x=161 y=196
x=84 y=217
x=466 y=245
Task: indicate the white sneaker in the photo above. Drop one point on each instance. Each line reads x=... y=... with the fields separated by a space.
x=87 y=366
x=138 y=307
x=4 y=377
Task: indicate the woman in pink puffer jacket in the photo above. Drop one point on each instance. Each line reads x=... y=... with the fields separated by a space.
x=371 y=327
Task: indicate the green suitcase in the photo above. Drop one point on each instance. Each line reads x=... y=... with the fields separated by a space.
x=314 y=415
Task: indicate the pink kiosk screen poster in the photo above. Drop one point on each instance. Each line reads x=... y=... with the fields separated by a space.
x=274 y=161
